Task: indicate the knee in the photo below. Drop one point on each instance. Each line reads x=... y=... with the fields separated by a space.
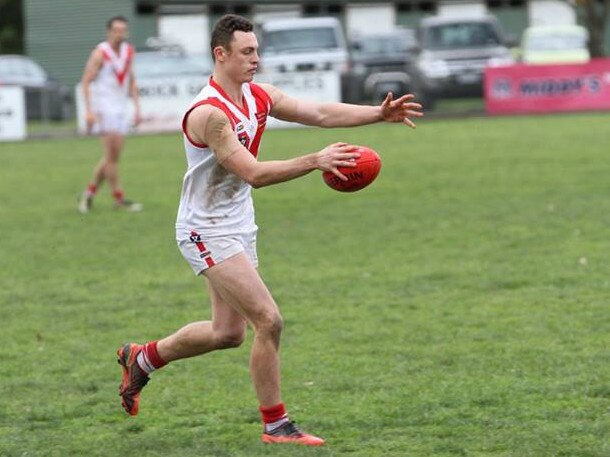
x=113 y=158
x=232 y=339
x=271 y=325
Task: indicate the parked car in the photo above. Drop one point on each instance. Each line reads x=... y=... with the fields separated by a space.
x=379 y=62
x=452 y=54
x=303 y=44
x=552 y=44
x=45 y=97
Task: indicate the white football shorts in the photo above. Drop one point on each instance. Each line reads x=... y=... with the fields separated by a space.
x=111 y=122
x=203 y=252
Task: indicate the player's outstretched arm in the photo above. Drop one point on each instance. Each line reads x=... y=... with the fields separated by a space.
x=209 y=125
x=402 y=109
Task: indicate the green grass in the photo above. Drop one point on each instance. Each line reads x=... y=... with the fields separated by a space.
x=457 y=307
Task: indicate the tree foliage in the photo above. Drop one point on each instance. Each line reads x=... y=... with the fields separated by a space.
x=11 y=27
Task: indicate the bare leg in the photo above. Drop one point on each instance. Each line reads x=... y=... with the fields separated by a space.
x=238 y=283
x=240 y=295
x=113 y=145
x=227 y=329
x=107 y=167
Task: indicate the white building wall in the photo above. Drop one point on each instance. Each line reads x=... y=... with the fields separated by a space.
x=189 y=30
x=264 y=13
x=369 y=18
x=550 y=12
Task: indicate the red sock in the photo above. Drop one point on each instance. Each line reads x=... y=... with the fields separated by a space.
x=273 y=416
x=118 y=195
x=91 y=189
x=149 y=359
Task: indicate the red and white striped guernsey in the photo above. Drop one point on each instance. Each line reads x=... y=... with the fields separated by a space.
x=214 y=201
x=111 y=86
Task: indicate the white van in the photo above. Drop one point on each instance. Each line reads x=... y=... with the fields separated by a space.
x=555 y=44
x=303 y=44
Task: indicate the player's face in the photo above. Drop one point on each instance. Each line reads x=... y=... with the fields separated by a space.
x=242 y=57
x=117 y=33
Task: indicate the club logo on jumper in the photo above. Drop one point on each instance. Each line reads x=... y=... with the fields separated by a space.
x=242 y=135
x=195 y=238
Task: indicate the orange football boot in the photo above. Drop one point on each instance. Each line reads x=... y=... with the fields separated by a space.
x=290 y=433
x=134 y=378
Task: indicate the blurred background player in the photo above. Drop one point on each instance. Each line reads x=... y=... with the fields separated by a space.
x=107 y=83
x=216 y=230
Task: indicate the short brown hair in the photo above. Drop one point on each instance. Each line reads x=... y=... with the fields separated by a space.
x=222 y=34
x=114 y=19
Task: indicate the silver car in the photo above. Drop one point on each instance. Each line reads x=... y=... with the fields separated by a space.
x=452 y=54
x=45 y=97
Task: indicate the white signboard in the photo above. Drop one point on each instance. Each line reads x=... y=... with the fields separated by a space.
x=163 y=101
x=12 y=113
x=318 y=86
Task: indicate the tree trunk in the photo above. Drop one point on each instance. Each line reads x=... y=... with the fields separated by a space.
x=596 y=16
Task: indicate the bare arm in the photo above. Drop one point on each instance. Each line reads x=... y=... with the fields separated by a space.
x=342 y=114
x=135 y=96
x=209 y=125
x=92 y=68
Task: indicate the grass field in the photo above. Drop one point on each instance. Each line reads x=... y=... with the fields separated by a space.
x=457 y=307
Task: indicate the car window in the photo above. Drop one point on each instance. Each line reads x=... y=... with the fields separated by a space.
x=155 y=64
x=387 y=45
x=556 y=42
x=20 y=70
x=308 y=39
x=462 y=35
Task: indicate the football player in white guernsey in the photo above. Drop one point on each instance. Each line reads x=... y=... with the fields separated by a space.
x=107 y=83
x=215 y=228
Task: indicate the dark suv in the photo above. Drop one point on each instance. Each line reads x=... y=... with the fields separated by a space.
x=452 y=54
x=379 y=63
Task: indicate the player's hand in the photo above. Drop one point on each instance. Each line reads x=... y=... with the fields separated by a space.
x=90 y=120
x=401 y=109
x=337 y=155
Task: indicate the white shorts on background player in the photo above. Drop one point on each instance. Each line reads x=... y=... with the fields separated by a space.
x=111 y=122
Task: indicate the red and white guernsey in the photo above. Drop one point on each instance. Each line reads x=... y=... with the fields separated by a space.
x=111 y=86
x=215 y=202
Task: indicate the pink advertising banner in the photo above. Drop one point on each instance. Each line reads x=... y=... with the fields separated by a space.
x=519 y=89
